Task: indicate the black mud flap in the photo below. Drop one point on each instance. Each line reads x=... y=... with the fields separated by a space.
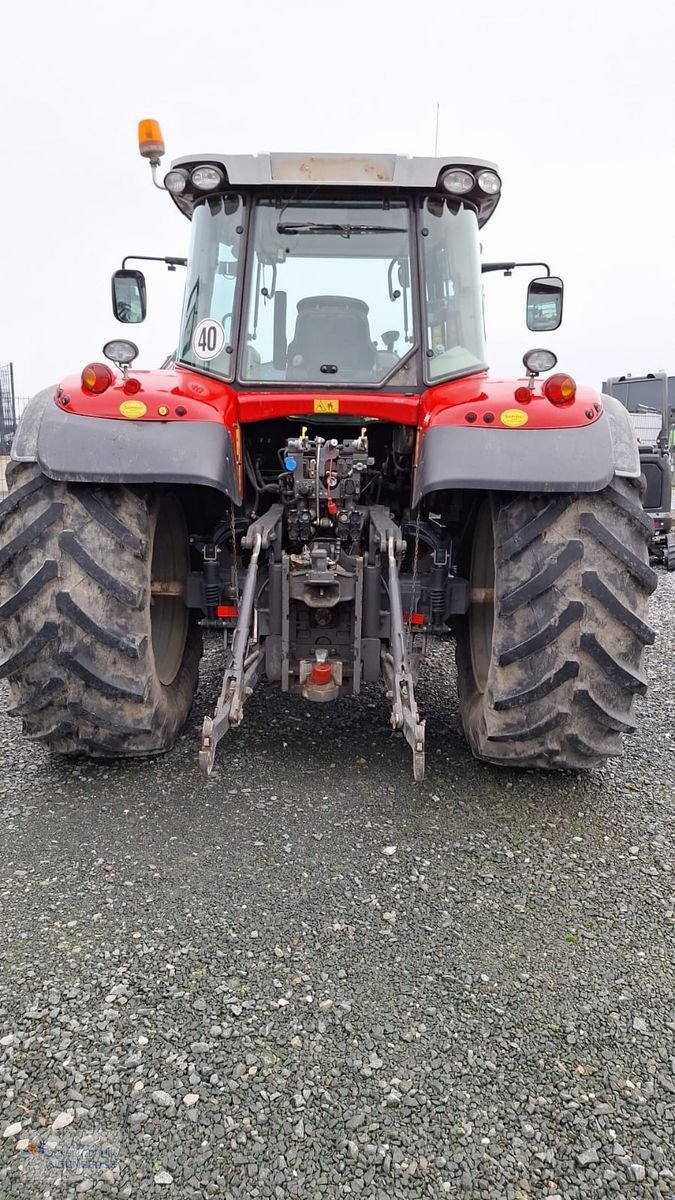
x=98 y=449
x=516 y=460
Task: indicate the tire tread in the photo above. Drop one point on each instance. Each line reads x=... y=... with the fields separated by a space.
x=571 y=631
x=75 y=634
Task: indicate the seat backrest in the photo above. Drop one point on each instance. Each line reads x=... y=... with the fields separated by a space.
x=331 y=331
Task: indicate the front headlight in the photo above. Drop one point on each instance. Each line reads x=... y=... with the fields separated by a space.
x=176 y=181
x=207 y=179
x=489 y=182
x=458 y=182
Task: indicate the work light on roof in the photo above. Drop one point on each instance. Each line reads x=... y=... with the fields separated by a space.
x=207 y=179
x=458 y=182
x=489 y=182
x=176 y=181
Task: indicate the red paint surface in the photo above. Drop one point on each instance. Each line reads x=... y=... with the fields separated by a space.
x=449 y=404
x=204 y=399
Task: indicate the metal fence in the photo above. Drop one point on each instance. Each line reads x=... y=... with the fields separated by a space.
x=11 y=407
x=7 y=407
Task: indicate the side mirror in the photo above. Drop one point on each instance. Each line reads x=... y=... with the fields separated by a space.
x=544 y=304
x=129 y=297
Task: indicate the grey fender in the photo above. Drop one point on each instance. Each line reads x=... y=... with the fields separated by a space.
x=24 y=446
x=532 y=460
x=624 y=442
x=98 y=449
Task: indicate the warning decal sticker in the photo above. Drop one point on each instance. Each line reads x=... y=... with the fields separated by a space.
x=514 y=418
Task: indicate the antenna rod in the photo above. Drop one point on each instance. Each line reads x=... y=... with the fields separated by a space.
x=438 y=113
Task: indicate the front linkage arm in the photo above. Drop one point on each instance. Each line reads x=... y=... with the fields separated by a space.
x=245 y=657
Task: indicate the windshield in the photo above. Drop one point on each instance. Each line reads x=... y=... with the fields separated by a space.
x=329 y=293
x=206 y=340
x=455 y=342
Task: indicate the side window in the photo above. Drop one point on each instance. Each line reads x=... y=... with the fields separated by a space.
x=453 y=293
x=206 y=334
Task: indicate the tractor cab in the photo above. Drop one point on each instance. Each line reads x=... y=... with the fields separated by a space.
x=331 y=272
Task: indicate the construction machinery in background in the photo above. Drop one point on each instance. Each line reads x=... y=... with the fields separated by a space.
x=650 y=403
x=328 y=475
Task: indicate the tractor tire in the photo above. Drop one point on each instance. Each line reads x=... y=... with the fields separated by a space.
x=550 y=653
x=95 y=664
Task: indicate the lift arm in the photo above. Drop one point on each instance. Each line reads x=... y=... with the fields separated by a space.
x=245 y=656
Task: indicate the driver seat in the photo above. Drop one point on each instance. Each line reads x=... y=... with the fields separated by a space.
x=331 y=331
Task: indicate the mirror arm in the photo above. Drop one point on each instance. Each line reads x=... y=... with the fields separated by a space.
x=508 y=267
x=171 y=263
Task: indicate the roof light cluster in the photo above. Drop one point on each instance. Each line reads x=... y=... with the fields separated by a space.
x=459 y=182
x=479 y=183
x=205 y=178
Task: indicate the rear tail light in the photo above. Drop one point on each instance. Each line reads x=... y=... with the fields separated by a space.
x=560 y=389
x=96 y=377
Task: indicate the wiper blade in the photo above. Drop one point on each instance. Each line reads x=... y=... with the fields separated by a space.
x=343 y=230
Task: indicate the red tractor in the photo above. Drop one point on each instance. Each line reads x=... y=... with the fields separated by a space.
x=327 y=474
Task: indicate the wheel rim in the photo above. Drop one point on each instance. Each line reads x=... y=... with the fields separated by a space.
x=168 y=615
x=481 y=607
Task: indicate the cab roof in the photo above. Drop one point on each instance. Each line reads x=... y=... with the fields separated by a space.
x=279 y=171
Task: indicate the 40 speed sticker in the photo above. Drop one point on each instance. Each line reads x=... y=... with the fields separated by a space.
x=208 y=339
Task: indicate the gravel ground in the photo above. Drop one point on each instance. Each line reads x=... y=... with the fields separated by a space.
x=309 y=977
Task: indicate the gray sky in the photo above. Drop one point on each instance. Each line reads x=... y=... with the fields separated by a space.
x=575 y=102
